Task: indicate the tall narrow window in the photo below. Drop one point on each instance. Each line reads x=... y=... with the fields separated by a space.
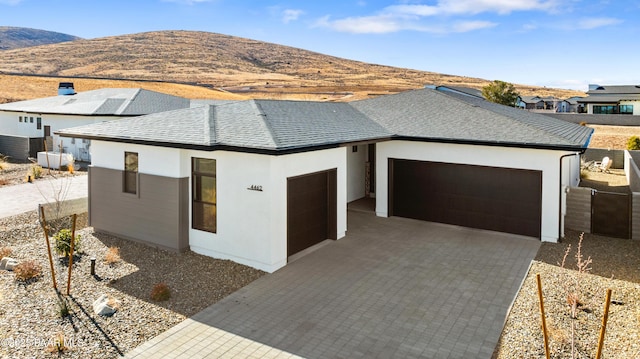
x=204 y=194
x=39 y=123
x=130 y=172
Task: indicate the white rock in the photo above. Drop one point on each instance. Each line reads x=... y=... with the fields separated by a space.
x=104 y=305
x=8 y=263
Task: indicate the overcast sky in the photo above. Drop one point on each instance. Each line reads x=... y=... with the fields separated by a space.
x=554 y=43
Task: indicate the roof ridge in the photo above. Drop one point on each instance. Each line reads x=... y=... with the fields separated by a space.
x=267 y=124
x=526 y=124
x=210 y=128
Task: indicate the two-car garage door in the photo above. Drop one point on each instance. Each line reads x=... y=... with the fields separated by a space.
x=494 y=198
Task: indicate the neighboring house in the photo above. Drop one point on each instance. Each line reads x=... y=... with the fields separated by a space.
x=624 y=100
x=530 y=102
x=258 y=181
x=40 y=118
x=574 y=106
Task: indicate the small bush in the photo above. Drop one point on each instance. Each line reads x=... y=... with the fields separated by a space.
x=160 y=292
x=58 y=344
x=5 y=252
x=63 y=242
x=27 y=271
x=36 y=171
x=582 y=123
x=112 y=256
x=63 y=308
x=633 y=143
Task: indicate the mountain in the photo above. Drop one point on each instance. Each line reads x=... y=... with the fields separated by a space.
x=250 y=67
x=20 y=37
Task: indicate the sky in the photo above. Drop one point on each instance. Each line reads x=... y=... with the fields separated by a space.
x=553 y=43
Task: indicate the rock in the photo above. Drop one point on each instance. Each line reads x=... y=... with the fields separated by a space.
x=8 y=263
x=105 y=305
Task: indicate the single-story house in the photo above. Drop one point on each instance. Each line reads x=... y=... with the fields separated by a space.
x=615 y=99
x=258 y=181
x=38 y=119
x=530 y=102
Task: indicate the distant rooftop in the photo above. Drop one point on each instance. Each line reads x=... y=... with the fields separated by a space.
x=102 y=102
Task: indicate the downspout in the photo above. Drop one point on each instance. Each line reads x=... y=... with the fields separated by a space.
x=560 y=192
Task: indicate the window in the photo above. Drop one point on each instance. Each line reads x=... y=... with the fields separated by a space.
x=204 y=194
x=604 y=110
x=626 y=109
x=31 y=119
x=130 y=172
x=39 y=123
x=20 y=119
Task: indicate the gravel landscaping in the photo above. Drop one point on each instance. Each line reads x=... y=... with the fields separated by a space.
x=30 y=313
x=616 y=265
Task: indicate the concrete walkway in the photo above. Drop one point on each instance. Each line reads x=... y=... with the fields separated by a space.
x=393 y=288
x=25 y=197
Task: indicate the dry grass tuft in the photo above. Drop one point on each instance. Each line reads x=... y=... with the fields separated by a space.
x=160 y=292
x=5 y=252
x=57 y=344
x=112 y=256
x=27 y=271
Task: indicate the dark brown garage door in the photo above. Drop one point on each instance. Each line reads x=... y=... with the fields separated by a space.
x=499 y=199
x=311 y=210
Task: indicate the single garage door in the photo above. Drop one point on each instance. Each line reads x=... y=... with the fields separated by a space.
x=311 y=210
x=499 y=199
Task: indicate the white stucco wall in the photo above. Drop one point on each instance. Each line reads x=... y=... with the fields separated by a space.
x=546 y=161
x=10 y=125
x=159 y=161
x=356 y=171
x=252 y=225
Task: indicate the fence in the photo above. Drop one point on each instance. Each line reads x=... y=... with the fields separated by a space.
x=19 y=147
x=604 y=213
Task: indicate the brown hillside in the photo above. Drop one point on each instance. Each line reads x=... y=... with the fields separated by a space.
x=253 y=68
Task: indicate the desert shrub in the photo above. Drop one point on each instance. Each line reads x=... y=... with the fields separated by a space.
x=160 y=292
x=63 y=307
x=3 y=161
x=36 y=171
x=633 y=143
x=58 y=344
x=28 y=270
x=582 y=123
x=5 y=252
x=112 y=256
x=63 y=242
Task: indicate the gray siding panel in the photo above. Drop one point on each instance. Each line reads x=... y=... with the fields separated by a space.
x=578 y=215
x=16 y=147
x=157 y=215
x=635 y=216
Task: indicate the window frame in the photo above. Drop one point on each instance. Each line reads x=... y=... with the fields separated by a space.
x=198 y=203
x=130 y=174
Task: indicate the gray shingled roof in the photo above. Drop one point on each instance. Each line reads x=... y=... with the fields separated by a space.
x=102 y=102
x=253 y=125
x=609 y=98
x=616 y=89
x=282 y=126
x=531 y=99
x=440 y=116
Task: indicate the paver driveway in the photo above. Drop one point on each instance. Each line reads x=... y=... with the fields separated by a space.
x=393 y=287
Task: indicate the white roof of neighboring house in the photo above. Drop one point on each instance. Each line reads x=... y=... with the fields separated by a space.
x=102 y=102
